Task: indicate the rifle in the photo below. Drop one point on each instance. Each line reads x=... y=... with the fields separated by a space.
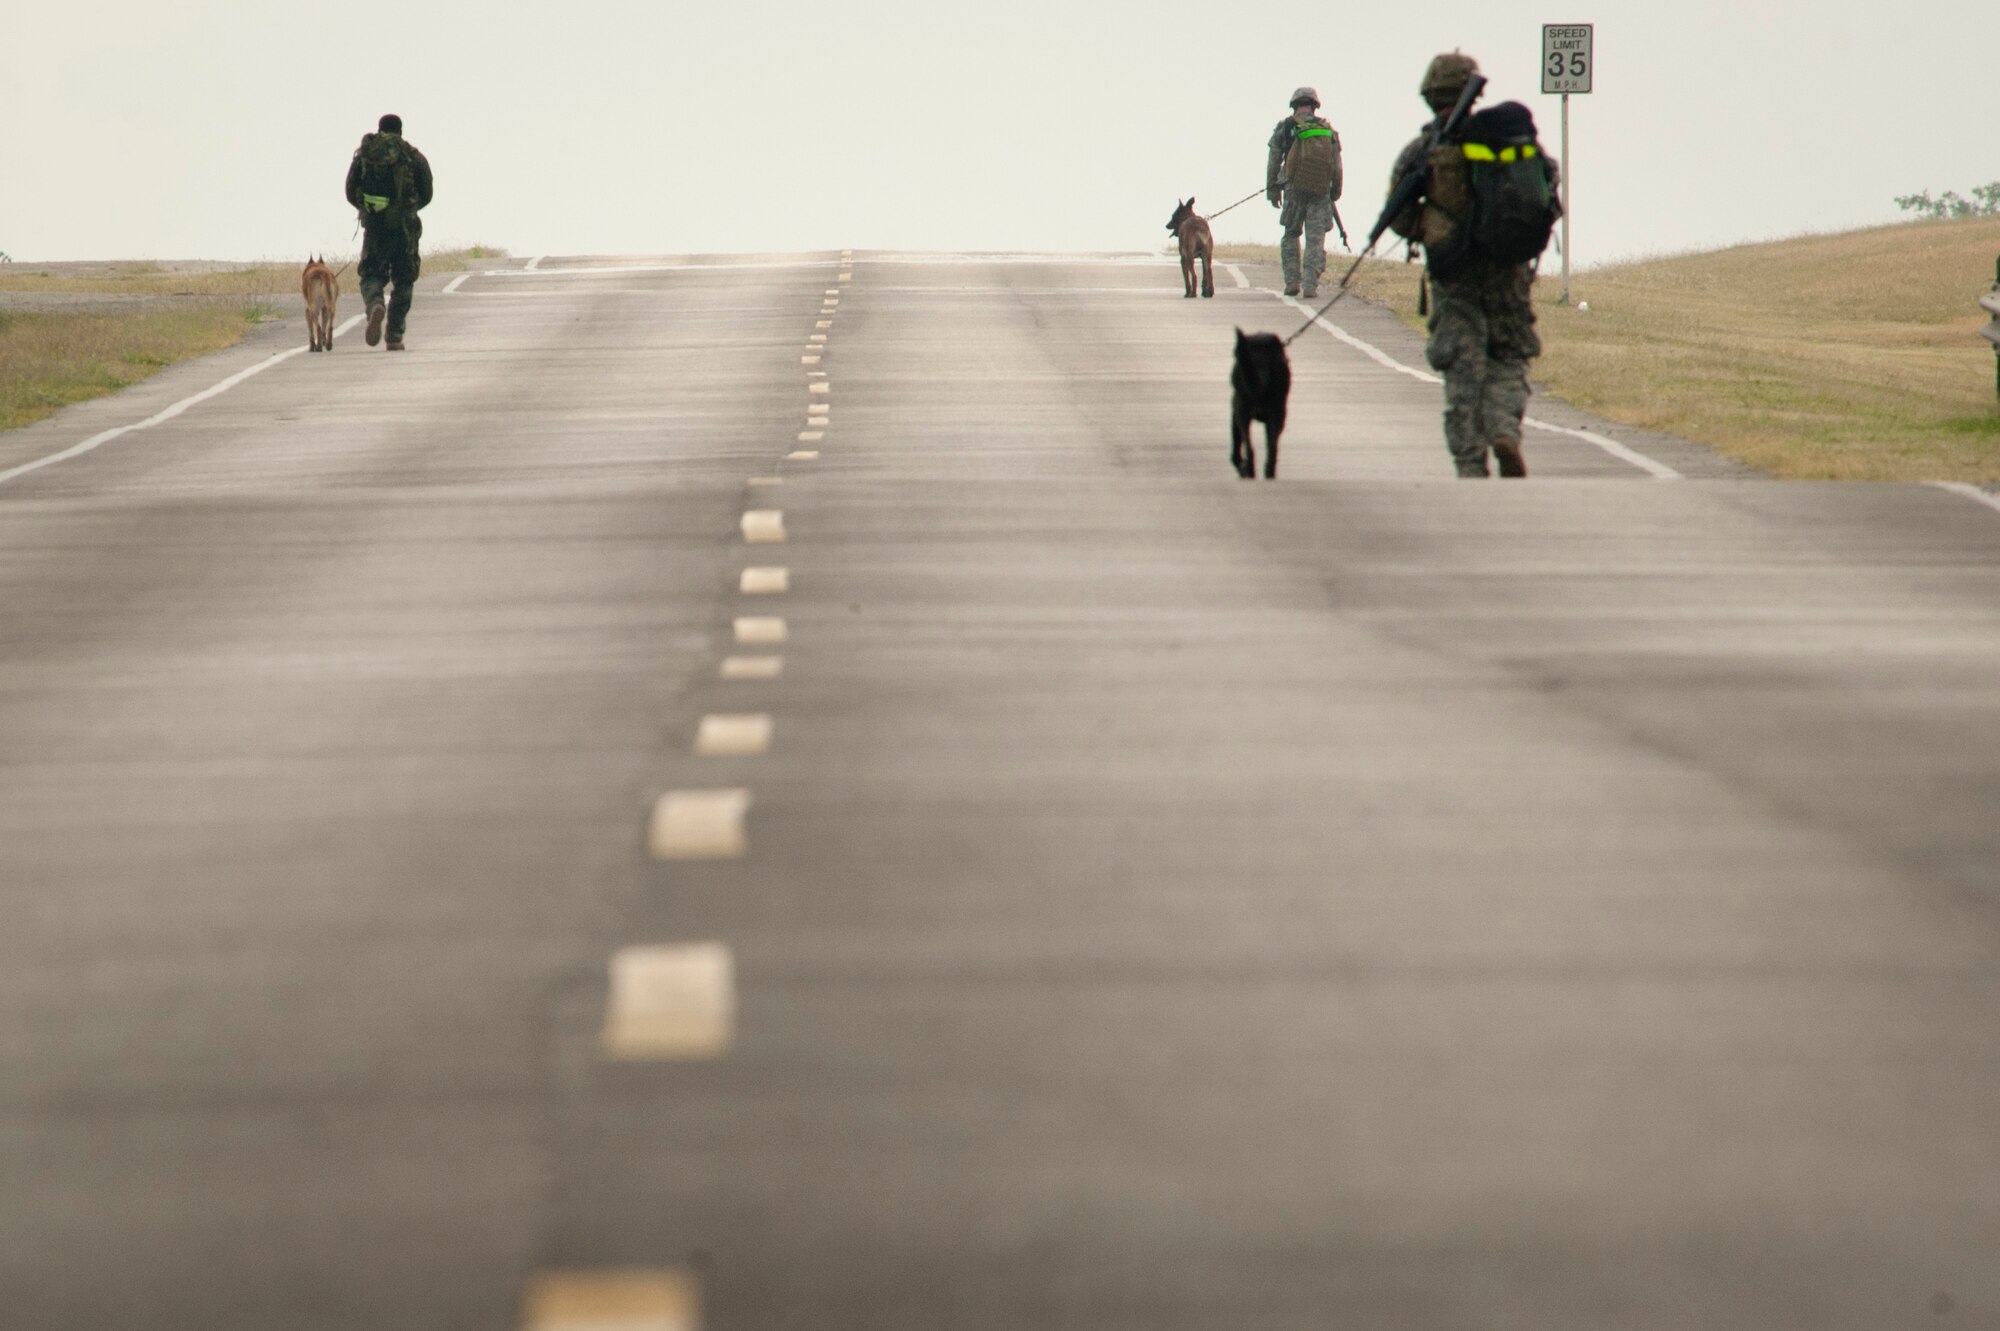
x=1341 y=227
x=1407 y=191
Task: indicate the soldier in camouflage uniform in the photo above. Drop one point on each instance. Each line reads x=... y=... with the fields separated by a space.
x=1305 y=206
x=1482 y=321
x=389 y=183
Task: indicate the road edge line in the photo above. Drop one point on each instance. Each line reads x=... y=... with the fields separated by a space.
x=164 y=414
x=1659 y=471
x=1970 y=491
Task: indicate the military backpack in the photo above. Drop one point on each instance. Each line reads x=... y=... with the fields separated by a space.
x=388 y=180
x=1514 y=207
x=1491 y=195
x=1312 y=159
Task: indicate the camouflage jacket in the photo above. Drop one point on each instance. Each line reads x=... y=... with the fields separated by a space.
x=420 y=169
x=1281 y=143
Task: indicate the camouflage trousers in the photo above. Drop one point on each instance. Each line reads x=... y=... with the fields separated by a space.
x=1310 y=217
x=389 y=254
x=1482 y=338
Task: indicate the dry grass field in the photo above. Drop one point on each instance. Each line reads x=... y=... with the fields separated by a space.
x=1847 y=357
x=74 y=331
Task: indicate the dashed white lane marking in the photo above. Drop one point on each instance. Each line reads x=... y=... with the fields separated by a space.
x=805 y=454
x=765 y=480
x=819 y=386
x=815 y=374
x=764 y=581
x=809 y=437
x=764 y=526
x=816 y=337
x=760 y=630
x=670 y=1003
x=166 y=414
x=845 y=277
x=1972 y=492
x=833 y=291
x=752 y=667
x=824 y=323
x=733 y=735
x=455 y=283
x=699 y=825
x=1657 y=470
x=613 y=1300
x=1236 y=274
x=808 y=360
x=535 y=264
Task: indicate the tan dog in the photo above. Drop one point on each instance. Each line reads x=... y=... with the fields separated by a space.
x=322 y=292
x=1196 y=243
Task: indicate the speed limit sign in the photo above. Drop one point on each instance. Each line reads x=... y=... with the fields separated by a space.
x=1566 y=57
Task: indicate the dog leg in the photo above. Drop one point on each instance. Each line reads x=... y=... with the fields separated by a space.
x=1208 y=274
x=1271 y=431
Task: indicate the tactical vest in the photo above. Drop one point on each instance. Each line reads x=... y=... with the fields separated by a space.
x=1446 y=228
x=1311 y=160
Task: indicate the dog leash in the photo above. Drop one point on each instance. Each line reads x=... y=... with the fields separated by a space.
x=1238 y=204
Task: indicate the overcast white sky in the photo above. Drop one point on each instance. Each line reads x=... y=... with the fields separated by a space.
x=193 y=129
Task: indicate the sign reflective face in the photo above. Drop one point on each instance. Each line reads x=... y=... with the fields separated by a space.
x=1566 y=57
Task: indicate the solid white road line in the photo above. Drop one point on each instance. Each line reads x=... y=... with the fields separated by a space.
x=1236 y=274
x=167 y=414
x=455 y=283
x=1657 y=470
x=780 y=266
x=1972 y=492
x=670 y=1002
x=699 y=825
x=630 y=1299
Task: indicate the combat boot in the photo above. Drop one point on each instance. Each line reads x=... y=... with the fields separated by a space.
x=1310 y=292
x=1291 y=288
x=377 y=312
x=395 y=344
x=1471 y=470
x=1507 y=452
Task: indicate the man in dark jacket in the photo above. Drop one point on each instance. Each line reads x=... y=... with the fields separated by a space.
x=389 y=183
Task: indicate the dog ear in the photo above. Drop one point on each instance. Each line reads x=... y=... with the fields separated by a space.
x=1239 y=337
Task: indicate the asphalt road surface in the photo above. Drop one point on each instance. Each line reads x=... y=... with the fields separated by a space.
x=1137 y=899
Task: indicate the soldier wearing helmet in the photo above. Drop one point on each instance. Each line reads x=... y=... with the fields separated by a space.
x=1482 y=319
x=1302 y=181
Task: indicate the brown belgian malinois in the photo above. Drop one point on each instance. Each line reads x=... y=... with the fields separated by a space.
x=322 y=292
x=1196 y=242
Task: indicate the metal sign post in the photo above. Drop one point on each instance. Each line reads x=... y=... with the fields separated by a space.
x=1567 y=61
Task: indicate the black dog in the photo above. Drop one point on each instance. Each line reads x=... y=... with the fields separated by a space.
x=1263 y=381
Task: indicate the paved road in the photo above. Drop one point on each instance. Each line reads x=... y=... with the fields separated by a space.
x=1367 y=900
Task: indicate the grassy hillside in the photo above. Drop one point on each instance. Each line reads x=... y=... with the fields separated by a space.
x=1850 y=356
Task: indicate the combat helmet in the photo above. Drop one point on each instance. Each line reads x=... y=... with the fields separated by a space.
x=1305 y=95
x=1446 y=78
